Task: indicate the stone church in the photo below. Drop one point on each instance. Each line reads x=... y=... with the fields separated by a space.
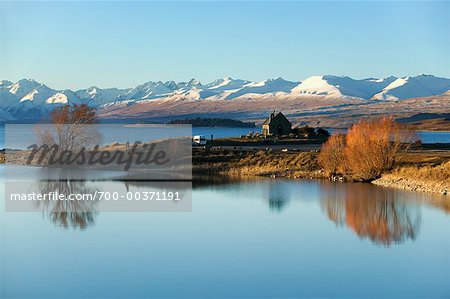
x=276 y=125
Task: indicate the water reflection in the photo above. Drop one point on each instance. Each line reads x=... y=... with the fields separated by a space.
x=278 y=198
x=79 y=202
x=383 y=216
x=69 y=213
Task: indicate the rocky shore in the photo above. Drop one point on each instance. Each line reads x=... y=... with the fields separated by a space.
x=430 y=179
x=393 y=181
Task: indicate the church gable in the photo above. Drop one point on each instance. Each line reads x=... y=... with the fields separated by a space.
x=276 y=124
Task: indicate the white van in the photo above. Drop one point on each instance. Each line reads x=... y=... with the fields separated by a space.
x=198 y=140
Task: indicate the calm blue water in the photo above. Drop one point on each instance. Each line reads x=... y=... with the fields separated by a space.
x=434 y=137
x=118 y=133
x=269 y=238
x=424 y=136
x=22 y=136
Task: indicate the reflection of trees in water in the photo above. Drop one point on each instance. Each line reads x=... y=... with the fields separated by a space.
x=371 y=212
x=277 y=203
x=334 y=205
x=277 y=197
x=68 y=213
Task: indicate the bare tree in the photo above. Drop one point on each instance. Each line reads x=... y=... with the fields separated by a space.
x=70 y=128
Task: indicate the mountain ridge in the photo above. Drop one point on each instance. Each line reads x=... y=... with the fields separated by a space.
x=30 y=99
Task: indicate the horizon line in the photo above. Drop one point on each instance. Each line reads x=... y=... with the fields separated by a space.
x=223 y=78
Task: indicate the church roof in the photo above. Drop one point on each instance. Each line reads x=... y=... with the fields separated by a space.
x=272 y=116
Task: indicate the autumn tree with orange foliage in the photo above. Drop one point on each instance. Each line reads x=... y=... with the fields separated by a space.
x=331 y=157
x=371 y=148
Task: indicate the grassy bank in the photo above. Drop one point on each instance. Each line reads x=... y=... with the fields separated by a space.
x=256 y=163
x=266 y=142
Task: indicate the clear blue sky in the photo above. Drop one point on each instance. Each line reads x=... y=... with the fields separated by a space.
x=79 y=44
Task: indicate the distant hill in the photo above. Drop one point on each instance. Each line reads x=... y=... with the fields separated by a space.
x=214 y=122
x=423 y=116
x=428 y=121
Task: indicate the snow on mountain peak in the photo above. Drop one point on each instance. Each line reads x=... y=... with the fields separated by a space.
x=171 y=85
x=194 y=82
x=14 y=88
x=29 y=94
x=411 y=87
x=269 y=86
x=58 y=98
x=384 y=94
x=23 y=87
x=339 y=86
x=219 y=83
x=397 y=83
x=92 y=91
x=390 y=78
x=316 y=85
x=225 y=84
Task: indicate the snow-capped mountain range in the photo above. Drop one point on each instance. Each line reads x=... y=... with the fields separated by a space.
x=30 y=99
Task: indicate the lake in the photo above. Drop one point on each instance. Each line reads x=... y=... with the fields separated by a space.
x=268 y=238
x=24 y=134
x=120 y=133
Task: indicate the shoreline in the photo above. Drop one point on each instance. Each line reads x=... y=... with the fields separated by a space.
x=419 y=171
x=426 y=170
x=404 y=183
x=428 y=178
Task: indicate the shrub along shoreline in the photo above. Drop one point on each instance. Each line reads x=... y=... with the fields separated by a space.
x=422 y=171
x=371 y=151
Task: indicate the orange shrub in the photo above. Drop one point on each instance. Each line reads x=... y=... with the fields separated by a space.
x=331 y=157
x=370 y=148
